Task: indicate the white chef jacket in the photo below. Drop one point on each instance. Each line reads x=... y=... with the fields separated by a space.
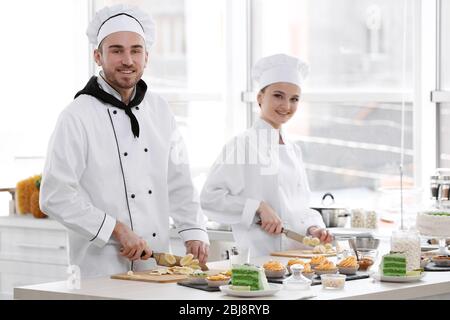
x=234 y=189
x=96 y=172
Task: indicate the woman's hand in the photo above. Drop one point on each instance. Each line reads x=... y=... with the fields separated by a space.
x=324 y=235
x=270 y=221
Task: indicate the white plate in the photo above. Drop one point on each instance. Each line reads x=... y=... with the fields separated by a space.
x=274 y=288
x=379 y=277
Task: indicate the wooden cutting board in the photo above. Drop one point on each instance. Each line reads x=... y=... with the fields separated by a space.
x=144 y=276
x=301 y=254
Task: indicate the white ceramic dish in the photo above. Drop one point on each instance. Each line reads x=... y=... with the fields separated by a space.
x=274 y=288
x=379 y=277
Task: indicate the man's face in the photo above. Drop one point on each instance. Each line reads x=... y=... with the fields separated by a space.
x=123 y=58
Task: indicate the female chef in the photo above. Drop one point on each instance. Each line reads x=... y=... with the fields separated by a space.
x=260 y=175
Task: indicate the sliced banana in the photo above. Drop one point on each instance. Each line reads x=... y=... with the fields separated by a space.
x=170 y=258
x=186 y=260
x=328 y=246
x=307 y=240
x=315 y=242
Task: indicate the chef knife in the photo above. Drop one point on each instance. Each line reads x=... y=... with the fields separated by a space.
x=289 y=233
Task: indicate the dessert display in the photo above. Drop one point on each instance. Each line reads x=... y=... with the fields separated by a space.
x=433 y=223
x=249 y=275
x=326 y=267
x=217 y=280
x=274 y=269
x=393 y=264
x=333 y=281
x=316 y=260
x=349 y=265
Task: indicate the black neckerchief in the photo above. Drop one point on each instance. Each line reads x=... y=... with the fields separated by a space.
x=93 y=89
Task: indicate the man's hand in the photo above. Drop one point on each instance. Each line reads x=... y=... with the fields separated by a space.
x=132 y=244
x=270 y=221
x=199 y=249
x=324 y=235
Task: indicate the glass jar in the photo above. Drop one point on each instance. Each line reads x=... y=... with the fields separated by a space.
x=407 y=242
x=297 y=281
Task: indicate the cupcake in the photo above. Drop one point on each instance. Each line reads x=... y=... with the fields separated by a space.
x=294 y=261
x=326 y=267
x=348 y=266
x=217 y=280
x=274 y=269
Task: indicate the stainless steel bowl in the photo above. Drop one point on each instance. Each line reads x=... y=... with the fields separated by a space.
x=366 y=243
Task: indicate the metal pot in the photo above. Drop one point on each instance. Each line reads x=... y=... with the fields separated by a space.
x=333 y=216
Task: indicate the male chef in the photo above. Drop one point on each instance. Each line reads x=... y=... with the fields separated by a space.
x=114 y=172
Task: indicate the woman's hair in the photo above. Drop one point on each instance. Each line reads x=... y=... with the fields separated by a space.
x=262 y=91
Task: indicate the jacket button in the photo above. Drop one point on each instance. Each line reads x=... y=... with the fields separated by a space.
x=115 y=112
x=137 y=108
x=146 y=150
x=154 y=234
x=125 y=154
x=149 y=191
x=133 y=196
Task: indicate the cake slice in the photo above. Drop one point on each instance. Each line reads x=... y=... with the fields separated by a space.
x=249 y=275
x=394 y=264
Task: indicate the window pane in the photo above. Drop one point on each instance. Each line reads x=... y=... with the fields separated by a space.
x=445 y=45
x=45 y=62
x=352 y=149
x=190 y=66
x=349 y=44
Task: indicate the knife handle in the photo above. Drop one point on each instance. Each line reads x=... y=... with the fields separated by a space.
x=282 y=228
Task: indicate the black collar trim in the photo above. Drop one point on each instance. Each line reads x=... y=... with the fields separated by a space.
x=92 y=88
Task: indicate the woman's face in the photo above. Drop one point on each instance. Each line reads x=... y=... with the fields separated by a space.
x=279 y=102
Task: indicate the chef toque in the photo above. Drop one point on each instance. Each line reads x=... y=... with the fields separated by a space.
x=279 y=68
x=121 y=17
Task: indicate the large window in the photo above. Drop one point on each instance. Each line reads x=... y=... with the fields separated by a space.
x=350 y=120
x=196 y=64
x=44 y=56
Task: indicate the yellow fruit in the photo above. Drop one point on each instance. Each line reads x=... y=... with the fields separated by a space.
x=186 y=260
x=306 y=240
x=315 y=242
x=170 y=258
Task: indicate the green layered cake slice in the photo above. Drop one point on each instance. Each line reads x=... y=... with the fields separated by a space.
x=248 y=275
x=394 y=264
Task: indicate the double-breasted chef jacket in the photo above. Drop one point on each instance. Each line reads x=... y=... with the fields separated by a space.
x=234 y=189
x=97 y=172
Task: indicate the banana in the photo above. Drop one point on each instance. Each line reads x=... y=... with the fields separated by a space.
x=170 y=258
x=186 y=260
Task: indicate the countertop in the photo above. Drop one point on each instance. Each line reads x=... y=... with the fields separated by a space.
x=433 y=285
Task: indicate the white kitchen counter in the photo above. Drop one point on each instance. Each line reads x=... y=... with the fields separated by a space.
x=433 y=285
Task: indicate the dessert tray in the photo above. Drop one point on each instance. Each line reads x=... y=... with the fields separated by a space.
x=379 y=277
x=274 y=288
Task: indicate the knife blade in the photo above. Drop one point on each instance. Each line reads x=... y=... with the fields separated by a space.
x=289 y=233
x=293 y=235
x=161 y=260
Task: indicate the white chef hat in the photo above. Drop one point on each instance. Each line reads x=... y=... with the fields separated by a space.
x=121 y=17
x=279 y=68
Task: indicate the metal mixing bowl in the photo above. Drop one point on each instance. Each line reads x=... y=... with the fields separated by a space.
x=363 y=243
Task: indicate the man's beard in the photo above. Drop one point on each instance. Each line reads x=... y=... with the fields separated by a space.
x=117 y=82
